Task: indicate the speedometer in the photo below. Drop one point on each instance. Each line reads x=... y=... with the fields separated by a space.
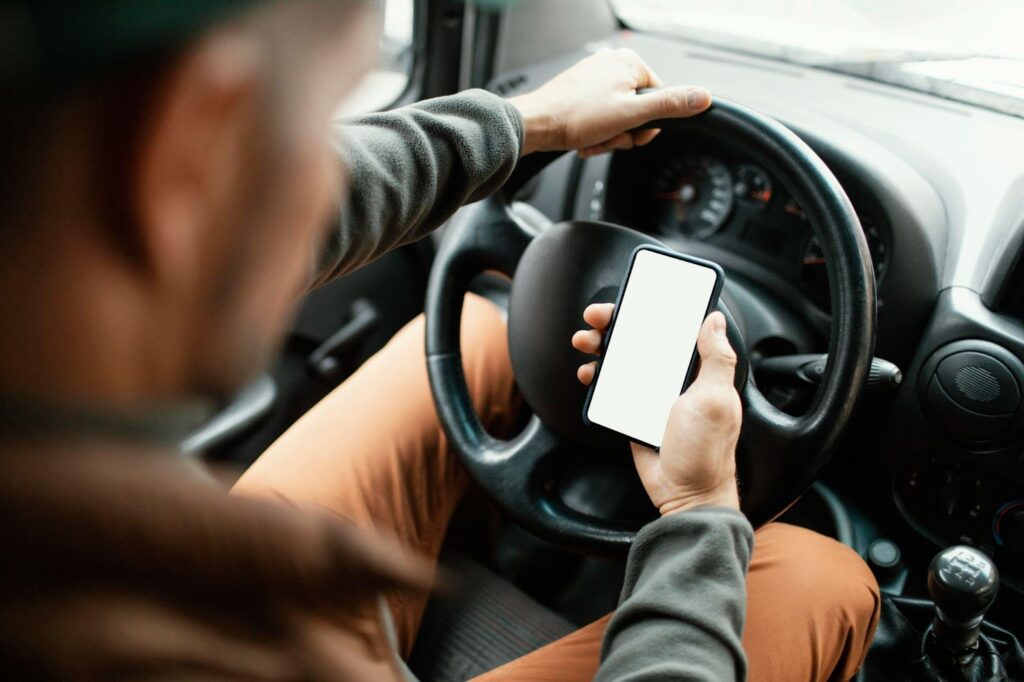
x=813 y=276
x=693 y=196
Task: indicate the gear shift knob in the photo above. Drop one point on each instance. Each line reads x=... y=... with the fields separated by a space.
x=963 y=583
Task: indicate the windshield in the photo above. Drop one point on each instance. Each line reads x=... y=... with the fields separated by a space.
x=968 y=51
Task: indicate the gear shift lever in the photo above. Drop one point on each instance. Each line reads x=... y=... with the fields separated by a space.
x=963 y=583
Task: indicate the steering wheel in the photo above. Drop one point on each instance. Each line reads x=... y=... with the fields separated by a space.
x=558 y=271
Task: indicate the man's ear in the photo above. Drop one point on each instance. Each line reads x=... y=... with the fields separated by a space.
x=190 y=157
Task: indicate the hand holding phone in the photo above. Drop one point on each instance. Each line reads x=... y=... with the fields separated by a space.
x=696 y=465
x=651 y=344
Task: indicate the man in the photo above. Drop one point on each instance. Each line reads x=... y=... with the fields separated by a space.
x=167 y=189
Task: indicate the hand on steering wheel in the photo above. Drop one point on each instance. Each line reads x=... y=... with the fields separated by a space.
x=593 y=106
x=696 y=466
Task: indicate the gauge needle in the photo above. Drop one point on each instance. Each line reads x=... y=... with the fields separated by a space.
x=814 y=260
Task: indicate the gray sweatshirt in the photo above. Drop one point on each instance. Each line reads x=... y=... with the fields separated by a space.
x=680 y=615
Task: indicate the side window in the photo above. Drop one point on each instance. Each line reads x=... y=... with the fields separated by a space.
x=386 y=83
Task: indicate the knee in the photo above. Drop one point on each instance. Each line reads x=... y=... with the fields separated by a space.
x=486 y=361
x=837 y=580
x=856 y=598
x=837 y=585
x=853 y=607
x=483 y=328
x=484 y=343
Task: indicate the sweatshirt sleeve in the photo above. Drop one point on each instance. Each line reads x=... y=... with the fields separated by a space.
x=681 y=612
x=410 y=169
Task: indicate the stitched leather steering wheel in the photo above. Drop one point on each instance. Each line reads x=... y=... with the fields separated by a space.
x=558 y=271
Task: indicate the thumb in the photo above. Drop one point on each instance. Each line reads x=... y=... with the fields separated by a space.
x=674 y=102
x=646 y=460
x=717 y=358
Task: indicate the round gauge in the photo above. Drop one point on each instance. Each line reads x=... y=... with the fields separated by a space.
x=693 y=196
x=813 y=274
x=753 y=187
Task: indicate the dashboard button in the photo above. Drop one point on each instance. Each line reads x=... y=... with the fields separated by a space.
x=1008 y=528
x=980 y=383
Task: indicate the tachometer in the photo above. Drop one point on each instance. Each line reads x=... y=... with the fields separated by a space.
x=694 y=196
x=753 y=187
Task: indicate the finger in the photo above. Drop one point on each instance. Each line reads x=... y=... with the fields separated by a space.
x=587 y=341
x=593 y=150
x=596 y=150
x=645 y=76
x=652 y=80
x=674 y=102
x=586 y=373
x=637 y=139
x=717 y=357
x=623 y=140
x=643 y=137
x=599 y=315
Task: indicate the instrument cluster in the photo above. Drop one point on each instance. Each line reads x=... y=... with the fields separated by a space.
x=710 y=197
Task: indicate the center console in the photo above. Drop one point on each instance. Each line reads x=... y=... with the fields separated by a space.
x=956 y=436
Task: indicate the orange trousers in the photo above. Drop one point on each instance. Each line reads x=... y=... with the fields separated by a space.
x=373 y=452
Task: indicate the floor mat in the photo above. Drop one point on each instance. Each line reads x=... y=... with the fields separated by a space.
x=484 y=622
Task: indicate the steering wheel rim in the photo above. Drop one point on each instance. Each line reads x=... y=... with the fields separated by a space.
x=779 y=456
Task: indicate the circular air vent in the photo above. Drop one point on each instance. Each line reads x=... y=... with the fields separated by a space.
x=977 y=383
x=972 y=390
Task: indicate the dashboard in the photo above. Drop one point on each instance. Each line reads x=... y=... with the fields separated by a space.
x=938 y=188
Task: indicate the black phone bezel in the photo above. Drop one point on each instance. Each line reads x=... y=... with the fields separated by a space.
x=688 y=378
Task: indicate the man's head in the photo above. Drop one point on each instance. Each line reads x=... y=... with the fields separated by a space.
x=163 y=204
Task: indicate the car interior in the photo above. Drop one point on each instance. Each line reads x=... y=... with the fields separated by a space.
x=868 y=213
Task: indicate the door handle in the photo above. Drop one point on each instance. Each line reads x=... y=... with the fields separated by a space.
x=363 y=318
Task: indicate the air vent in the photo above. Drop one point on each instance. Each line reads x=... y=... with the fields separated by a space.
x=978 y=384
x=972 y=390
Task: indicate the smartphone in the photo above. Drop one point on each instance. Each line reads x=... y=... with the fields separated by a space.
x=650 y=348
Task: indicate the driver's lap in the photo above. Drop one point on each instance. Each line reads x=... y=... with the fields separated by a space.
x=373 y=453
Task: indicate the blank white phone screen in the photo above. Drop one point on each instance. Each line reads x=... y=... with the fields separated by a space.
x=651 y=345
